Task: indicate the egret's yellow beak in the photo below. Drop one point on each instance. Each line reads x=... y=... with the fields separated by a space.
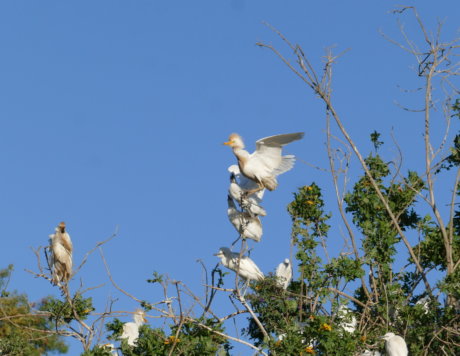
x=228 y=143
x=144 y=318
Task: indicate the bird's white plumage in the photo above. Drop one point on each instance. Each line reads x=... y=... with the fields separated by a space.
x=425 y=303
x=249 y=227
x=371 y=353
x=347 y=319
x=245 y=267
x=263 y=165
x=239 y=185
x=395 y=345
x=61 y=254
x=131 y=329
x=284 y=273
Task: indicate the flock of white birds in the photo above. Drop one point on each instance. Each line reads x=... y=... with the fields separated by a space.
x=254 y=173
x=248 y=180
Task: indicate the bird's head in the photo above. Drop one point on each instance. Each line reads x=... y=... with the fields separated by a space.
x=286 y=261
x=234 y=141
x=387 y=336
x=222 y=252
x=61 y=226
x=139 y=316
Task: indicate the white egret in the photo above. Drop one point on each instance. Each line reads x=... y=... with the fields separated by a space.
x=245 y=267
x=395 y=345
x=263 y=165
x=347 y=319
x=61 y=254
x=424 y=302
x=249 y=227
x=284 y=273
x=239 y=188
x=131 y=329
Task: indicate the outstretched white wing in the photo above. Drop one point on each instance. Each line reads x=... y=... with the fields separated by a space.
x=268 y=159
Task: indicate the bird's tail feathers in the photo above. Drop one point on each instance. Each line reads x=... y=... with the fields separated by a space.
x=270 y=183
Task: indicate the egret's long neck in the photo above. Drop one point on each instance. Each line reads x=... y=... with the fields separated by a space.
x=241 y=154
x=138 y=319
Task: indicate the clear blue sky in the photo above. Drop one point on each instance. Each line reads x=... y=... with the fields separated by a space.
x=113 y=114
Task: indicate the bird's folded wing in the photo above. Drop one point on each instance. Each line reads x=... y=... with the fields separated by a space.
x=248 y=264
x=60 y=253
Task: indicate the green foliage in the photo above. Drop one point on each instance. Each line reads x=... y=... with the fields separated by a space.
x=98 y=350
x=304 y=319
x=23 y=331
x=157 y=278
x=63 y=312
x=375 y=140
x=344 y=267
x=309 y=228
x=371 y=216
x=192 y=339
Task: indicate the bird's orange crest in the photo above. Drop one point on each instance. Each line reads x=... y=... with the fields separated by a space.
x=233 y=136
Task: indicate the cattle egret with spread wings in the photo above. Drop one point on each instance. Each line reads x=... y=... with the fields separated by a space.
x=131 y=329
x=284 y=273
x=266 y=163
x=395 y=345
x=61 y=254
x=245 y=267
x=249 y=227
x=239 y=186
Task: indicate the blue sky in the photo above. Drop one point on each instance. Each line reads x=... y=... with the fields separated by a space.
x=113 y=115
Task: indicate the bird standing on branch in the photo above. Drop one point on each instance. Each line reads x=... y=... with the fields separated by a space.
x=249 y=227
x=395 y=345
x=131 y=329
x=246 y=268
x=61 y=254
x=284 y=273
x=239 y=188
x=266 y=163
x=348 y=321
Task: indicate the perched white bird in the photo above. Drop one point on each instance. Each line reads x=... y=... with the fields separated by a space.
x=239 y=186
x=245 y=267
x=395 y=345
x=425 y=303
x=249 y=227
x=284 y=273
x=61 y=254
x=347 y=319
x=263 y=165
x=131 y=329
